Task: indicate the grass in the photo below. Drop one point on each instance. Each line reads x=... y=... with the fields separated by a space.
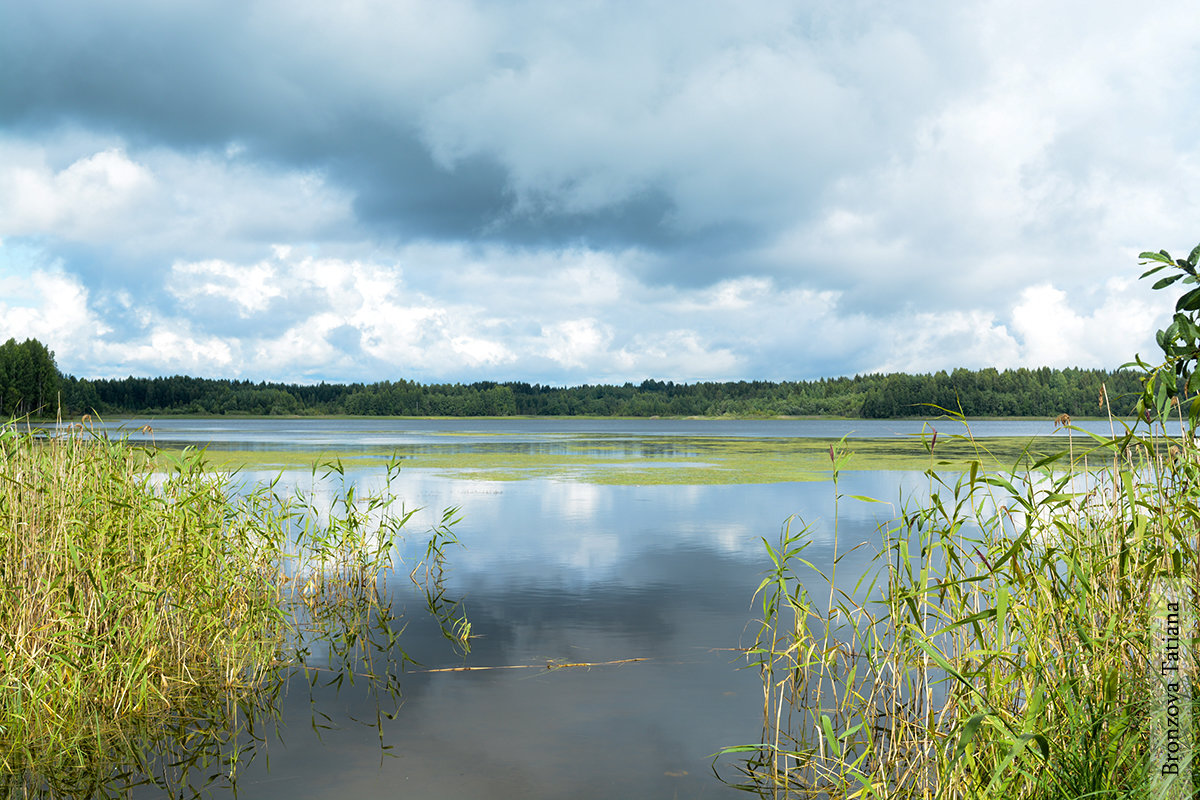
x=1009 y=642
x=138 y=591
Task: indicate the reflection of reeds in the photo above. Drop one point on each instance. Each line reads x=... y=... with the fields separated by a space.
x=131 y=597
x=1005 y=645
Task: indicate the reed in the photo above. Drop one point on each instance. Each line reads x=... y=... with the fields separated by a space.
x=1009 y=642
x=430 y=576
x=1023 y=633
x=134 y=591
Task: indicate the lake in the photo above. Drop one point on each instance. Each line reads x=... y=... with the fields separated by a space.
x=555 y=569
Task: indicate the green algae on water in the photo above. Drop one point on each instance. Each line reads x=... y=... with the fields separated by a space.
x=662 y=460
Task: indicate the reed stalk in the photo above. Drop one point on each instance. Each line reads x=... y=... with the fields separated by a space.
x=137 y=589
x=1008 y=642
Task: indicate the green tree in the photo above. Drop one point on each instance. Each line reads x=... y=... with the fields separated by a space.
x=29 y=378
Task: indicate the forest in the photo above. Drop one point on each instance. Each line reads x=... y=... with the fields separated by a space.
x=31 y=384
x=988 y=392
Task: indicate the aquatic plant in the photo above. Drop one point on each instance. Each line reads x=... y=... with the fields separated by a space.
x=137 y=586
x=1024 y=633
x=430 y=576
x=1009 y=643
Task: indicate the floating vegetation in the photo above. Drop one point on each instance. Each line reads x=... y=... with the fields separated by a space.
x=661 y=460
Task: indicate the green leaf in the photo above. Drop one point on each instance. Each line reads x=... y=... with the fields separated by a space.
x=1041 y=462
x=941 y=661
x=1189 y=301
x=1018 y=747
x=1187 y=329
x=741 y=748
x=1160 y=399
x=1112 y=684
x=1018 y=543
x=863 y=498
x=827 y=726
x=988 y=613
x=996 y=480
x=1165 y=282
x=1152 y=270
x=1163 y=257
x=968 y=733
x=1172 y=331
x=1042 y=742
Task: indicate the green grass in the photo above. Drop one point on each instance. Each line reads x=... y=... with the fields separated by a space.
x=138 y=590
x=1006 y=644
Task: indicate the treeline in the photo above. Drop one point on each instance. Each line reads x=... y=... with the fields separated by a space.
x=988 y=392
x=30 y=383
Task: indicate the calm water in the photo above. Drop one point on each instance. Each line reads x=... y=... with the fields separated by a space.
x=304 y=434
x=558 y=571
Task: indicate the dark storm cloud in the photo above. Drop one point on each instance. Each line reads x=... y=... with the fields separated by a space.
x=208 y=76
x=181 y=73
x=603 y=191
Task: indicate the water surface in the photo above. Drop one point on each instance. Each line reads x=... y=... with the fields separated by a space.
x=360 y=432
x=562 y=572
x=556 y=571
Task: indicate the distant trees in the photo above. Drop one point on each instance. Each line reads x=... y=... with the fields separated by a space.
x=30 y=383
x=29 y=379
x=1011 y=393
x=984 y=393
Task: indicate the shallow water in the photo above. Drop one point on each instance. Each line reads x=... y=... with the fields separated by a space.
x=570 y=573
x=315 y=434
x=554 y=571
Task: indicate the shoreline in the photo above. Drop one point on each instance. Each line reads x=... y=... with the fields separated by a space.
x=721 y=418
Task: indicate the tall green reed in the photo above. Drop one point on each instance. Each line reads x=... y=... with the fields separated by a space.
x=117 y=596
x=1021 y=633
x=136 y=586
x=430 y=576
x=1005 y=643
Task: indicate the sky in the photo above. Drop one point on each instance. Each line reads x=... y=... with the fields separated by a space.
x=583 y=192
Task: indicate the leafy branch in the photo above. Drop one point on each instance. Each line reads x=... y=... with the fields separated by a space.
x=1176 y=379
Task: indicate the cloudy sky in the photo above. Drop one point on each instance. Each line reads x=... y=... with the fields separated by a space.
x=591 y=191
